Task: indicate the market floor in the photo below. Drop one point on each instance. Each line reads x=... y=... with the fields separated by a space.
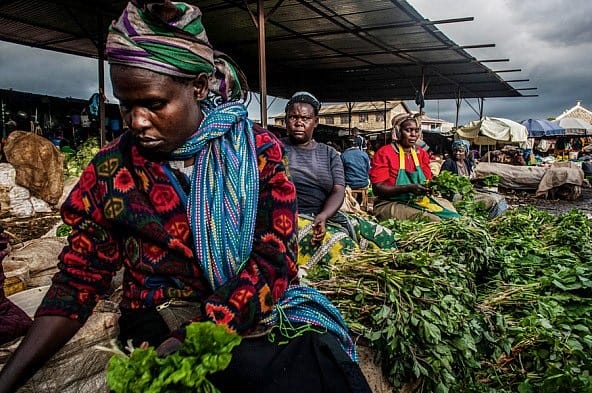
x=555 y=206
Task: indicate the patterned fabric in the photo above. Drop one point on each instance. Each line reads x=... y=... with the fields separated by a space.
x=223 y=199
x=126 y=211
x=336 y=243
x=402 y=117
x=227 y=82
x=178 y=46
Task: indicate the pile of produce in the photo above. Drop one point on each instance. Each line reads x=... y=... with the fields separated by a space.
x=206 y=350
x=474 y=306
x=76 y=161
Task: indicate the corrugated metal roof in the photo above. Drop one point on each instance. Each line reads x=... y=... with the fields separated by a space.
x=341 y=50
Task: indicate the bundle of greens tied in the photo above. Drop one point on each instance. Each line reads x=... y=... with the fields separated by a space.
x=469 y=305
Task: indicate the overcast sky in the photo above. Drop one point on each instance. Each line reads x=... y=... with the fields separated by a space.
x=550 y=40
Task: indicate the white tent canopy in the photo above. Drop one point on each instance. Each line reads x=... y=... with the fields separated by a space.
x=574 y=126
x=493 y=130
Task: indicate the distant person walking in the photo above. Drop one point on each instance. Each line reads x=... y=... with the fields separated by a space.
x=360 y=140
x=356 y=165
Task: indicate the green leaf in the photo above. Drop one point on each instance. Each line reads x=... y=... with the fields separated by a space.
x=524 y=387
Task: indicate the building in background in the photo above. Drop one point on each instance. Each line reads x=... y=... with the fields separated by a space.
x=578 y=112
x=435 y=125
x=365 y=116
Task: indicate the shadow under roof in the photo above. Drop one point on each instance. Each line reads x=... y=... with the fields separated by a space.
x=341 y=50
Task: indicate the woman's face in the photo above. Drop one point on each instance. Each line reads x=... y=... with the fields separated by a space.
x=459 y=153
x=160 y=111
x=301 y=122
x=409 y=133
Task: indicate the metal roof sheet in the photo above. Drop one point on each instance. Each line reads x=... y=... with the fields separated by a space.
x=341 y=50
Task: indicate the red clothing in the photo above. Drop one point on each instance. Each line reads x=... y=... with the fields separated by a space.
x=385 y=165
x=125 y=211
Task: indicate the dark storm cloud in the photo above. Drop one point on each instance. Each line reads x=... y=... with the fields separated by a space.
x=549 y=40
x=45 y=72
x=562 y=22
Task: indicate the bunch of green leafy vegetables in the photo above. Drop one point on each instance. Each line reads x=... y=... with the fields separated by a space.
x=76 y=161
x=460 y=191
x=416 y=310
x=63 y=230
x=206 y=350
x=449 y=185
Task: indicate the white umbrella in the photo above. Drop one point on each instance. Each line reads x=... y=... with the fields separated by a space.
x=491 y=130
x=574 y=126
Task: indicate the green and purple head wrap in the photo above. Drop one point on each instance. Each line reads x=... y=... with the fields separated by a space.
x=169 y=38
x=178 y=46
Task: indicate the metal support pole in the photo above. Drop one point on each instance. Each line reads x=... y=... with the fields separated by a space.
x=423 y=90
x=101 y=48
x=262 y=62
x=350 y=106
x=384 y=134
x=458 y=102
x=481 y=105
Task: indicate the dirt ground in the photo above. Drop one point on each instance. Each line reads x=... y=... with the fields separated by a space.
x=20 y=230
x=556 y=206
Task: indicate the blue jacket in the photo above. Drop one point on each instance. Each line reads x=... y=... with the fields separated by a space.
x=356 y=165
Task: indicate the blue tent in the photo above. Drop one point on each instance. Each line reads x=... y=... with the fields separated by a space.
x=539 y=127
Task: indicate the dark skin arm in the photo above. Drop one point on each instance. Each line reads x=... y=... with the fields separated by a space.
x=332 y=204
x=385 y=191
x=47 y=335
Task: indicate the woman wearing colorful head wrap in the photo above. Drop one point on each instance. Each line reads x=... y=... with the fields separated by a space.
x=460 y=164
x=398 y=174
x=325 y=233
x=195 y=205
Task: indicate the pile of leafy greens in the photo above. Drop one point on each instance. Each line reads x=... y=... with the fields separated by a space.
x=206 y=350
x=76 y=161
x=469 y=305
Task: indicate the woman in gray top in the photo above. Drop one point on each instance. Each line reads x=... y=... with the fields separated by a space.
x=316 y=169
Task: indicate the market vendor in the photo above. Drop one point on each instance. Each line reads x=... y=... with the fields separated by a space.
x=460 y=164
x=160 y=201
x=325 y=232
x=398 y=174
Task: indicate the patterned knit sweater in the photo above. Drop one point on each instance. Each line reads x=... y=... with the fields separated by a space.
x=125 y=211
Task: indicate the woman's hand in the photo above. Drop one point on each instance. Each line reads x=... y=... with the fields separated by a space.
x=417 y=189
x=168 y=346
x=318 y=229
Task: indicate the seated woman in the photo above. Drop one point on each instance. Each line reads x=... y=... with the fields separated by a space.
x=460 y=164
x=317 y=172
x=398 y=174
